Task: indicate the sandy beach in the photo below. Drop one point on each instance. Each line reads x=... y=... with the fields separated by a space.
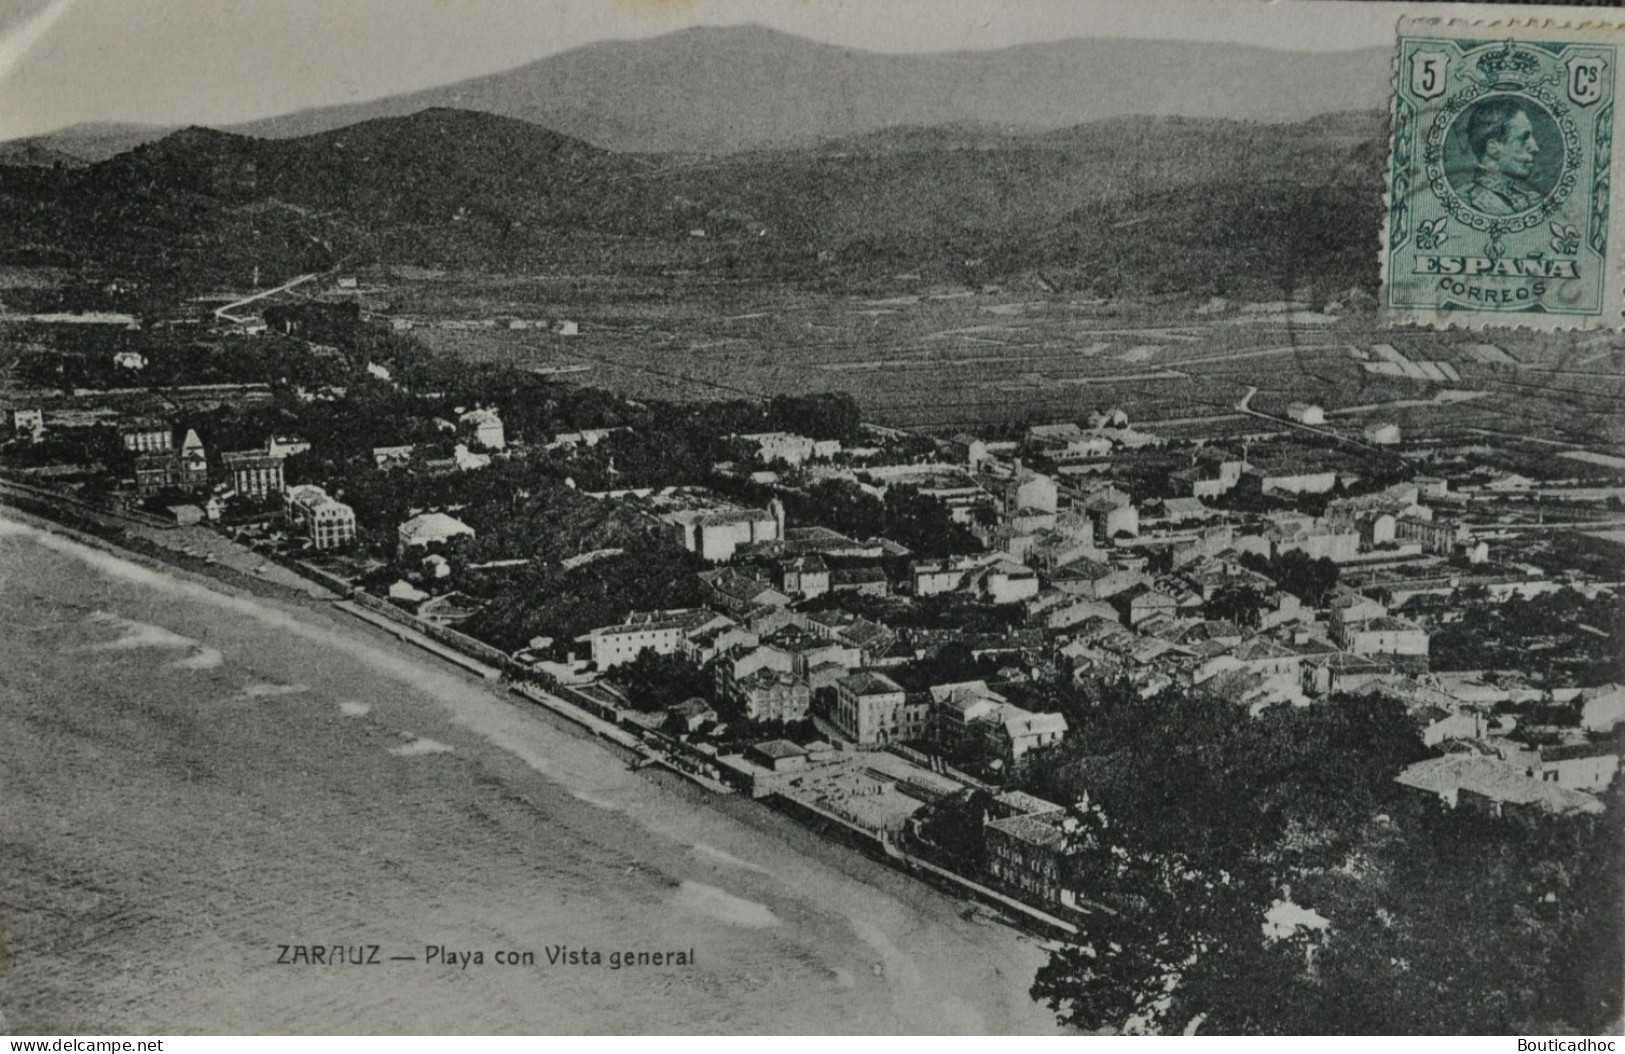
x=195 y=781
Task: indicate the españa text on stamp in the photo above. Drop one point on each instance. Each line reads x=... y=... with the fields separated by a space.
x=1500 y=207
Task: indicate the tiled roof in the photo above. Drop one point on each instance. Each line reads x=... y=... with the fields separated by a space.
x=1494 y=779
x=867 y=682
x=1022 y=723
x=1262 y=648
x=1043 y=829
x=779 y=748
x=1026 y=804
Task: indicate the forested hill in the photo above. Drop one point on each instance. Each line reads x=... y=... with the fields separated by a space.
x=1118 y=206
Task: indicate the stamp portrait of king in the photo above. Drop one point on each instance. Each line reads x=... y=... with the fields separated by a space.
x=1500 y=134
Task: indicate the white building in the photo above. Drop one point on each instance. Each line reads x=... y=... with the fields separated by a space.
x=1306 y=413
x=327 y=522
x=1602 y=709
x=285 y=446
x=956 y=709
x=717 y=533
x=1387 y=635
x=485 y=427
x=467 y=461
x=585 y=437
x=147 y=438
x=790 y=448
x=931 y=577
x=28 y=422
x=1112 y=513
x=253 y=473
x=1008 y=583
x=1383 y=434
x=431 y=528
x=660 y=632
x=874 y=710
x=1031 y=491
x=1017 y=732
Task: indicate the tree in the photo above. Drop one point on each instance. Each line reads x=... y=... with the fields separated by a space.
x=1162 y=941
x=653 y=682
x=952 y=829
x=1473 y=923
x=1295 y=571
x=1239 y=604
x=924 y=524
x=830 y=415
x=1440 y=921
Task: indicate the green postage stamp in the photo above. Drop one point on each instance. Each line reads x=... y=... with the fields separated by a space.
x=1500 y=177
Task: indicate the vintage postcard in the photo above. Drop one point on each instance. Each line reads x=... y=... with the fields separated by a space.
x=791 y=517
x=1501 y=177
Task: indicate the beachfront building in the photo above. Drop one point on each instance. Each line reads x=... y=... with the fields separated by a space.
x=970 y=718
x=253 y=473
x=146 y=438
x=1027 y=852
x=661 y=632
x=873 y=710
x=155 y=473
x=326 y=522
x=772 y=695
x=331 y=525
x=165 y=468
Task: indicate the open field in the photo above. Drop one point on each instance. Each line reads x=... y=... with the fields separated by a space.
x=942 y=357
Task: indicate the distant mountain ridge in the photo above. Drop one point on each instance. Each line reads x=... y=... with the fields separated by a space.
x=81 y=144
x=720 y=90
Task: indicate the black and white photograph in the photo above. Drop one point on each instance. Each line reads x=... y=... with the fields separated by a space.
x=799 y=517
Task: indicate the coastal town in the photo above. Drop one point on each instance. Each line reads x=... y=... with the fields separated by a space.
x=977 y=538
x=916 y=643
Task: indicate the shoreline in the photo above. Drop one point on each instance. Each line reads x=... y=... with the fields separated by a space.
x=865 y=862
x=580 y=847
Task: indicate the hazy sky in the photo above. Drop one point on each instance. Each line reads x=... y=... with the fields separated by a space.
x=220 y=61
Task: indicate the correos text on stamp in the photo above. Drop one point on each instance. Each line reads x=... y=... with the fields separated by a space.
x=1500 y=181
